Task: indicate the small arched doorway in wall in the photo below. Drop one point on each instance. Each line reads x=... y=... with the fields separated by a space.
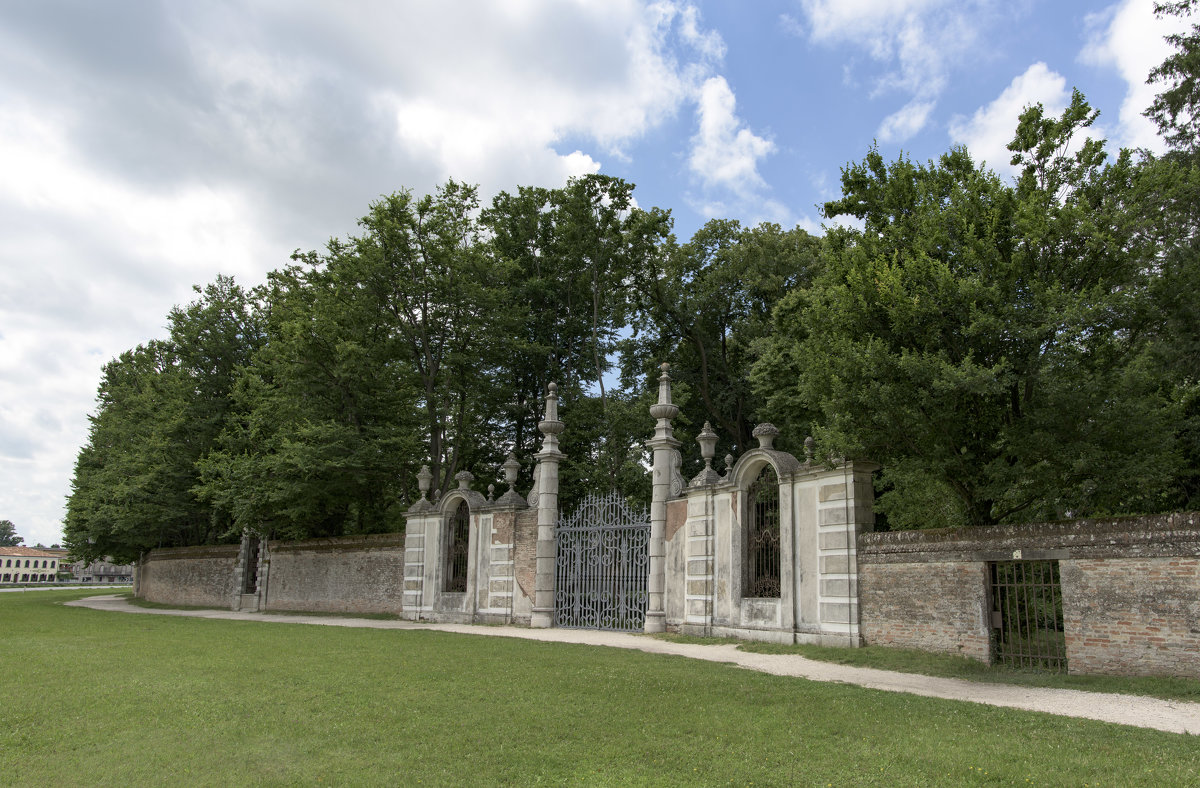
x=763 y=557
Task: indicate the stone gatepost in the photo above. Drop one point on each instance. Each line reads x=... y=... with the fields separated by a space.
x=547 y=514
x=499 y=598
x=664 y=445
x=414 y=602
x=700 y=556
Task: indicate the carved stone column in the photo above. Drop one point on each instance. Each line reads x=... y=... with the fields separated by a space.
x=547 y=514
x=664 y=446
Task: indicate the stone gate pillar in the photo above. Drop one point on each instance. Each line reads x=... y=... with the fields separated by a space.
x=664 y=446
x=547 y=514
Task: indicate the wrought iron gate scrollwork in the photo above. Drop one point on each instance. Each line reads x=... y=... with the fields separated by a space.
x=603 y=566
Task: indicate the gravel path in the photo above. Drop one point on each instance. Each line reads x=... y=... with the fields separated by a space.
x=1143 y=712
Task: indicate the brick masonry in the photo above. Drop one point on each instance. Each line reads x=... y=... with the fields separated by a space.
x=358 y=574
x=201 y=576
x=1133 y=616
x=1131 y=589
x=937 y=606
x=525 y=551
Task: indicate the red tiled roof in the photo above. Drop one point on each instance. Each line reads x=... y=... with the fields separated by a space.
x=28 y=552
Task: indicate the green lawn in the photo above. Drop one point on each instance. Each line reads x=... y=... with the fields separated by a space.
x=107 y=698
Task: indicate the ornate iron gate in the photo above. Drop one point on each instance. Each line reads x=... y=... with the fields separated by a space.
x=602 y=566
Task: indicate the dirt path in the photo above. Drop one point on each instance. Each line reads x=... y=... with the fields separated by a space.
x=1142 y=712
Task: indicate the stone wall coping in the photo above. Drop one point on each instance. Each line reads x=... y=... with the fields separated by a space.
x=1134 y=536
x=357 y=542
x=197 y=551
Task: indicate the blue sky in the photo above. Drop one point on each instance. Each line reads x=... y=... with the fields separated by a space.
x=149 y=146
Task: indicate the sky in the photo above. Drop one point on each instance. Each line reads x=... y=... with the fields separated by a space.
x=146 y=147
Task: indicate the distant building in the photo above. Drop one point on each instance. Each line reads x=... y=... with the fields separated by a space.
x=28 y=565
x=104 y=571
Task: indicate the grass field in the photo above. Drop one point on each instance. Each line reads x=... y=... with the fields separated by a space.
x=104 y=698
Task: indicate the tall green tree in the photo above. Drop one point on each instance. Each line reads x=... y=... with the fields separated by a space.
x=323 y=426
x=421 y=262
x=131 y=489
x=1170 y=204
x=988 y=343
x=566 y=257
x=1176 y=109
x=706 y=305
x=160 y=410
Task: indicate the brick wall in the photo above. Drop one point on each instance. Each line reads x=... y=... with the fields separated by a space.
x=358 y=574
x=201 y=576
x=937 y=606
x=525 y=551
x=1131 y=589
x=1138 y=616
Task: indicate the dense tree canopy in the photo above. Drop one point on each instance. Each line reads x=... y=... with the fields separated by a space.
x=1007 y=350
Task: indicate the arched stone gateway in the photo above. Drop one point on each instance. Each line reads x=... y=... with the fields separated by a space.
x=768 y=551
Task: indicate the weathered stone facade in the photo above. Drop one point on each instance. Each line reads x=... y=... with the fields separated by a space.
x=821 y=510
x=1130 y=590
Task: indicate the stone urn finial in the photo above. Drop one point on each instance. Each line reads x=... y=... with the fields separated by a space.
x=809 y=446
x=708 y=444
x=765 y=433
x=464 y=479
x=511 y=468
x=424 y=477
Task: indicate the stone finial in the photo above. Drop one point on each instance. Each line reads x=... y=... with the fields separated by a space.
x=765 y=433
x=511 y=468
x=708 y=446
x=551 y=425
x=728 y=466
x=491 y=491
x=424 y=477
x=464 y=479
x=809 y=446
x=664 y=409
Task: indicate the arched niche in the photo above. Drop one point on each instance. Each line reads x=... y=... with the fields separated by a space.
x=457 y=538
x=762 y=524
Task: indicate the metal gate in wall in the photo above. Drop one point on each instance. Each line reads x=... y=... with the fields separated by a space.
x=603 y=566
x=1027 y=615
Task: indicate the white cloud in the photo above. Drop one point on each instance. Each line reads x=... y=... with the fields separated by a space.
x=906 y=122
x=1128 y=37
x=917 y=41
x=709 y=43
x=724 y=152
x=148 y=148
x=988 y=132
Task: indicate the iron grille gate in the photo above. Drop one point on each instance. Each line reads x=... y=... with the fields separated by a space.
x=1027 y=615
x=603 y=567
